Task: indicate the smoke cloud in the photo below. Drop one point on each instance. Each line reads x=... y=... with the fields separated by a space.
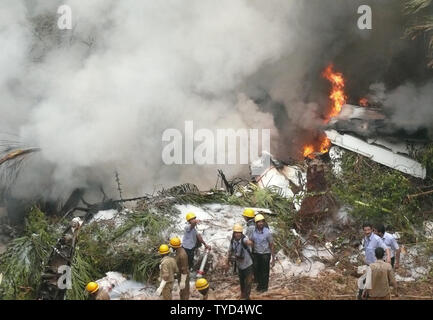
x=97 y=98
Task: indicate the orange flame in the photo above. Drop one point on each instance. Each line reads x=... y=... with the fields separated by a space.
x=337 y=95
x=308 y=151
x=338 y=99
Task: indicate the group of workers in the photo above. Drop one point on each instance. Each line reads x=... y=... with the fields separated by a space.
x=251 y=255
x=382 y=256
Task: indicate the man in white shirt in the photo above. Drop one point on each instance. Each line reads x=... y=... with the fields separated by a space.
x=391 y=243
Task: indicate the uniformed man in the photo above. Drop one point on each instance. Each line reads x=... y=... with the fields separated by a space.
x=182 y=265
x=249 y=215
x=263 y=252
x=168 y=269
x=240 y=251
x=191 y=238
x=95 y=293
x=202 y=286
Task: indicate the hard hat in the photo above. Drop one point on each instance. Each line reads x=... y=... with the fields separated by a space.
x=237 y=228
x=175 y=242
x=201 y=284
x=259 y=217
x=92 y=287
x=190 y=215
x=164 y=249
x=249 y=213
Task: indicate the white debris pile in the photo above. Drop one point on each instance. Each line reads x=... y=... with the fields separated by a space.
x=216 y=225
x=111 y=280
x=111 y=215
x=409 y=260
x=130 y=289
x=290 y=181
x=336 y=155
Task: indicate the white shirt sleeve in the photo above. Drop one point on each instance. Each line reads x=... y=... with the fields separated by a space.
x=368 y=279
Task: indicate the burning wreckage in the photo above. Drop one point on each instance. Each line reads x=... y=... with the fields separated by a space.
x=122 y=232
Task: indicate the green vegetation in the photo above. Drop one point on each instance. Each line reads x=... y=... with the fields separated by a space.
x=23 y=262
x=379 y=194
x=421 y=24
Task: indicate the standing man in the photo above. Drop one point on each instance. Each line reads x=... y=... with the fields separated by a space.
x=379 y=278
x=371 y=242
x=182 y=265
x=240 y=250
x=191 y=238
x=391 y=243
x=249 y=215
x=263 y=249
x=168 y=268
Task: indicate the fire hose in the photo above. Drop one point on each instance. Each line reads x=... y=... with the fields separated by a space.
x=201 y=272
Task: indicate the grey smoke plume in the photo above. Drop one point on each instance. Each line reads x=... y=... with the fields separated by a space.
x=411 y=107
x=97 y=98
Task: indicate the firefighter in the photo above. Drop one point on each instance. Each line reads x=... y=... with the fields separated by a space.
x=191 y=239
x=240 y=255
x=249 y=215
x=168 y=269
x=95 y=293
x=202 y=285
x=263 y=250
x=182 y=264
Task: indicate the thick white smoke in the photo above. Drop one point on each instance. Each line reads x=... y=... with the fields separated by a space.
x=97 y=98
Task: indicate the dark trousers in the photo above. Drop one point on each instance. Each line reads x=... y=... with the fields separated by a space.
x=190 y=253
x=246 y=280
x=261 y=270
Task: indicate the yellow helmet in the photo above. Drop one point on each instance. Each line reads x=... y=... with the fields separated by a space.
x=249 y=213
x=259 y=217
x=201 y=284
x=237 y=228
x=175 y=242
x=164 y=249
x=92 y=287
x=190 y=215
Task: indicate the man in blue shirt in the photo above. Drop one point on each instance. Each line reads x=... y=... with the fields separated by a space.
x=191 y=238
x=240 y=251
x=371 y=242
x=391 y=243
x=263 y=249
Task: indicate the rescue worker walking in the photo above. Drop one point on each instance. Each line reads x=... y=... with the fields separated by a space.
x=380 y=276
x=249 y=215
x=191 y=239
x=95 y=293
x=168 y=269
x=202 y=286
x=240 y=254
x=262 y=252
x=391 y=243
x=182 y=264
